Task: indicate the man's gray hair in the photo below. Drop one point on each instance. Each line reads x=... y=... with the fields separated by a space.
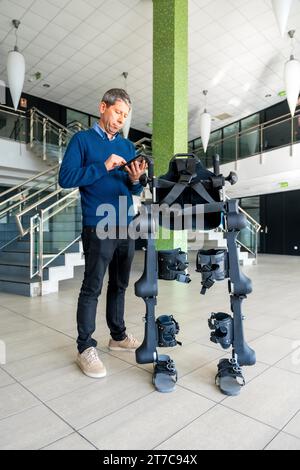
x=116 y=94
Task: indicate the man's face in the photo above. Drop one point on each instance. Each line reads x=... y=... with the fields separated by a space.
x=113 y=117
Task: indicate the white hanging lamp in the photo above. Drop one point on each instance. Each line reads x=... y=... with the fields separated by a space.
x=292 y=78
x=205 y=125
x=126 y=127
x=282 y=10
x=15 y=70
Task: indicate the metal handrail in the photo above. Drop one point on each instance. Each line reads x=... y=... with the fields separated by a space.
x=75 y=191
x=256 y=128
x=50 y=119
x=39 y=224
x=30 y=208
x=30 y=196
x=142 y=140
x=76 y=124
x=254 y=222
x=48 y=124
x=33 y=178
x=11 y=110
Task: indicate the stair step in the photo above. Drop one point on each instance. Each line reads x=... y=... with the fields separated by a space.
x=60 y=236
x=18 y=288
x=19 y=279
x=23 y=259
x=65 y=225
x=10 y=272
x=49 y=247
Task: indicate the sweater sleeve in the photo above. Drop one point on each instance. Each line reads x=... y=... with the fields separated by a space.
x=72 y=173
x=135 y=188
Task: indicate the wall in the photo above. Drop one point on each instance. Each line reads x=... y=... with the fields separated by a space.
x=17 y=163
x=262 y=174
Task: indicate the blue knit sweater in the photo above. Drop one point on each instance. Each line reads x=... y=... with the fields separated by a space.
x=83 y=167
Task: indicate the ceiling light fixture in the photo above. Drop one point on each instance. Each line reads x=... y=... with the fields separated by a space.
x=292 y=77
x=15 y=69
x=282 y=10
x=205 y=124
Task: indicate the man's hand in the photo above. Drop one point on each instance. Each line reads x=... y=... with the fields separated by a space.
x=113 y=161
x=135 y=170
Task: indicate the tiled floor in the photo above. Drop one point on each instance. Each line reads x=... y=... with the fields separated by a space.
x=46 y=402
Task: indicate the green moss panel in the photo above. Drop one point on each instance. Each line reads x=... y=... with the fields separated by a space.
x=170 y=90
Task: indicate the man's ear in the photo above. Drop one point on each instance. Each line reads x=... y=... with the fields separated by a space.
x=102 y=107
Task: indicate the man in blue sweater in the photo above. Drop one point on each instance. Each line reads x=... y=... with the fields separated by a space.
x=91 y=163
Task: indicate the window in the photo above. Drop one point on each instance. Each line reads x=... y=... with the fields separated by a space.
x=249 y=141
x=77 y=117
x=230 y=135
x=214 y=146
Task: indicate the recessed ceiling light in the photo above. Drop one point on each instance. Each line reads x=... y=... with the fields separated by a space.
x=46 y=85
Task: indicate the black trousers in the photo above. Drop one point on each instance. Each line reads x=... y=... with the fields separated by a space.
x=117 y=254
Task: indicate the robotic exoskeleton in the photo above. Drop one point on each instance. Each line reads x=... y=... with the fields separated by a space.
x=193 y=190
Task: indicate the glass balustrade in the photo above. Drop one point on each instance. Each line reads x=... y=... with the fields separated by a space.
x=54 y=231
x=257 y=138
x=13 y=126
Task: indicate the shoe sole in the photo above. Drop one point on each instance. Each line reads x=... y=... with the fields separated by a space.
x=117 y=348
x=91 y=375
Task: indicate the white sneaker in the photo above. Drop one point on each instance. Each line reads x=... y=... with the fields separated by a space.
x=90 y=364
x=130 y=343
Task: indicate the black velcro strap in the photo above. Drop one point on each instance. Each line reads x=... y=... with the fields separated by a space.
x=175 y=192
x=207 y=268
x=200 y=189
x=165 y=367
x=164 y=184
x=183 y=278
x=227 y=368
x=207 y=284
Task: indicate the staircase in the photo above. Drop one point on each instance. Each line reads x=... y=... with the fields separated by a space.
x=214 y=240
x=62 y=249
x=40 y=223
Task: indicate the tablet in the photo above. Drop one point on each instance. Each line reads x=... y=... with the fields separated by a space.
x=138 y=158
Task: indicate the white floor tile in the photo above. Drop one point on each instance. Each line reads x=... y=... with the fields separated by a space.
x=32 y=429
x=221 y=429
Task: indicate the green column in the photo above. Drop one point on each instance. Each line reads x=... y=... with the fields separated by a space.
x=170 y=91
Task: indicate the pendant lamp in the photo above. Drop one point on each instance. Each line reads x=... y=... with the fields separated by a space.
x=205 y=125
x=15 y=70
x=292 y=78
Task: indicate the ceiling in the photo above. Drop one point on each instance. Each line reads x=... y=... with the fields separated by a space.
x=81 y=48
